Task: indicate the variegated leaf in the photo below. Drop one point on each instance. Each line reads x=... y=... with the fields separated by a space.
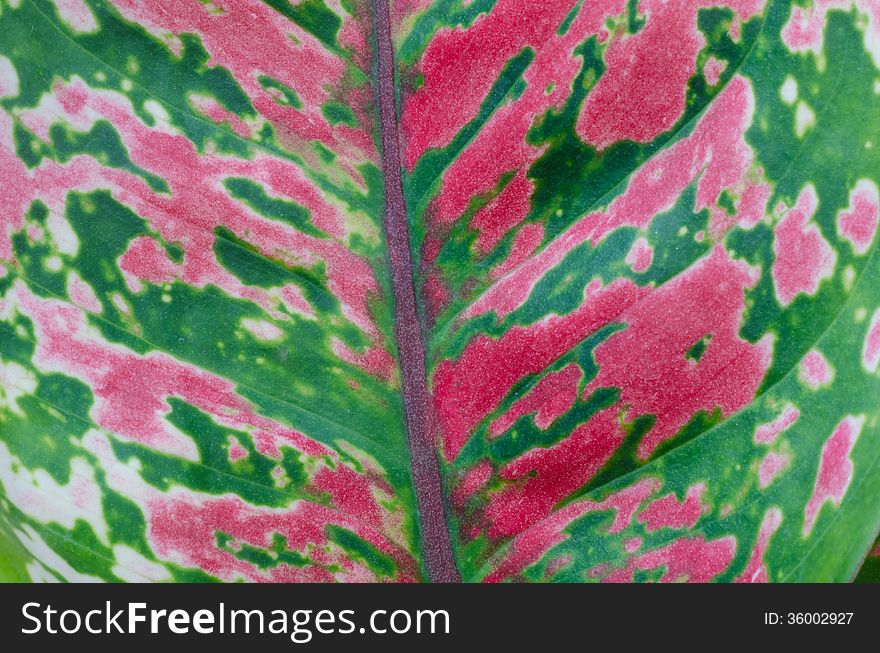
x=642 y=241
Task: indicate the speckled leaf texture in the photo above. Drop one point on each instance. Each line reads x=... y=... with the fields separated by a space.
x=642 y=241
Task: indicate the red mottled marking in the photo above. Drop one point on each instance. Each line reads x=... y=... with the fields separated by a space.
x=501 y=145
x=756 y=571
x=835 y=469
x=197 y=204
x=706 y=300
x=642 y=93
x=504 y=212
x=712 y=70
x=467 y=390
x=541 y=477
x=752 y=205
x=375 y=361
x=805 y=29
x=512 y=290
x=130 y=390
x=715 y=153
x=235 y=451
x=35 y=233
x=472 y=482
x=858 y=223
x=219 y=114
x=767 y=433
x=528 y=547
x=525 y=242
x=81 y=294
x=147 y=260
x=669 y=512
x=771 y=467
x=632 y=545
x=648 y=361
x=735 y=30
x=17 y=188
x=692 y=560
x=182 y=528
x=435 y=292
x=182 y=525
x=551 y=398
x=640 y=255
x=249 y=39
x=814 y=370
x=557 y=565
x=871 y=348
x=803 y=256
x=460 y=65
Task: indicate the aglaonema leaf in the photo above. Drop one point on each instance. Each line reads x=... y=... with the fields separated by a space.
x=504 y=290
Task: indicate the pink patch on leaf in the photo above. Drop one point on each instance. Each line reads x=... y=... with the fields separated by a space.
x=551 y=397
x=82 y=294
x=692 y=560
x=525 y=242
x=773 y=464
x=835 y=469
x=528 y=547
x=235 y=451
x=460 y=65
x=219 y=114
x=642 y=93
x=669 y=512
x=648 y=360
x=640 y=255
x=814 y=370
x=76 y=14
x=803 y=258
x=471 y=483
x=712 y=70
x=767 y=433
x=715 y=154
x=871 y=349
x=756 y=571
x=858 y=223
x=468 y=389
x=752 y=204
x=474 y=57
x=541 y=477
x=632 y=545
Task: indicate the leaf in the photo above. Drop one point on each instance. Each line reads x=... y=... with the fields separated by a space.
x=620 y=269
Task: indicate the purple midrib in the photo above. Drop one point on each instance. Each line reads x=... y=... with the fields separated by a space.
x=436 y=543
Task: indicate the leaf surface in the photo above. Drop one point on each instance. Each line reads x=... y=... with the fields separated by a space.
x=645 y=332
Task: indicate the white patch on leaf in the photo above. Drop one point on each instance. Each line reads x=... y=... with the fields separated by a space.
x=62 y=234
x=788 y=91
x=76 y=15
x=15 y=382
x=42 y=498
x=133 y=567
x=804 y=119
x=262 y=329
x=8 y=78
